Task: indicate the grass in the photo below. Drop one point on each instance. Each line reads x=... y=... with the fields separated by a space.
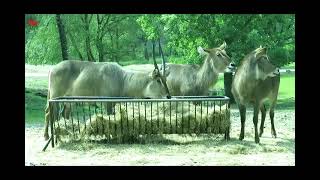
x=289 y=66
x=140 y=61
x=34 y=108
x=34 y=104
x=36 y=84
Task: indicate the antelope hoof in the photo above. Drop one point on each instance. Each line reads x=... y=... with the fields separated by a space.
x=257 y=139
x=241 y=137
x=274 y=134
x=260 y=134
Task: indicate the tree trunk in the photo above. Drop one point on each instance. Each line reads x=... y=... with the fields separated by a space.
x=89 y=52
x=117 y=45
x=134 y=47
x=159 y=48
x=86 y=22
x=112 y=47
x=100 y=49
x=146 y=54
x=75 y=45
x=154 y=49
x=63 y=38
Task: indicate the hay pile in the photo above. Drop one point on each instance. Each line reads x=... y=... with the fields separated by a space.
x=65 y=128
x=128 y=122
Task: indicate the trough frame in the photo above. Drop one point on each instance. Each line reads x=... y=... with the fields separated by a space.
x=106 y=99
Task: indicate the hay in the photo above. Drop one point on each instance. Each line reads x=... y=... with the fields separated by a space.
x=65 y=128
x=128 y=122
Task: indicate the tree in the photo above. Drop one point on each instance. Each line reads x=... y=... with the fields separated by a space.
x=116 y=37
x=63 y=38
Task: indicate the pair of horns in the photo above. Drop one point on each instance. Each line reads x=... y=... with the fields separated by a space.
x=260 y=51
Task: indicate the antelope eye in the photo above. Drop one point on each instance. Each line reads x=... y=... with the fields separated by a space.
x=158 y=80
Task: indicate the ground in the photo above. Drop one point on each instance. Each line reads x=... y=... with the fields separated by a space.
x=175 y=150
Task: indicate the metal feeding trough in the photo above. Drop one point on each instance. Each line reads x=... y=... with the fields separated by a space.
x=123 y=118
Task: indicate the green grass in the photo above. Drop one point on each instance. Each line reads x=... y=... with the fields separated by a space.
x=34 y=108
x=35 y=105
x=287 y=86
x=36 y=84
x=140 y=61
x=289 y=66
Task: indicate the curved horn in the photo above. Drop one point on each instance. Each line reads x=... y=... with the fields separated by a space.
x=223 y=46
x=162 y=77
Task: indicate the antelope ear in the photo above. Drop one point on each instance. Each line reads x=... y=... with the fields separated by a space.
x=202 y=51
x=223 y=46
x=260 y=51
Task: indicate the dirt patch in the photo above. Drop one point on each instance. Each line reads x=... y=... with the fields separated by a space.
x=182 y=150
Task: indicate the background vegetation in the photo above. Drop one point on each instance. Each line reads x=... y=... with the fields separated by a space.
x=130 y=39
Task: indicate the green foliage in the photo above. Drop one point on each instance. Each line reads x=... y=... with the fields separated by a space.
x=43 y=44
x=116 y=37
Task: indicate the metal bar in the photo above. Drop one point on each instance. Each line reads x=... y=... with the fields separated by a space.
x=121 y=99
x=151 y=118
x=133 y=116
x=176 y=117
x=71 y=114
x=84 y=117
x=207 y=117
x=128 y=98
x=114 y=118
x=55 y=134
x=109 y=126
x=59 y=117
x=145 y=118
x=95 y=112
x=127 y=117
x=139 y=118
x=164 y=118
x=200 y=117
x=45 y=147
x=77 y=107
x=195 y=117
x=121 y=130
x=90 y=116
x=170 y=118
x=102 y=120
x=158 y=115
x=220 y=115
x=182 y=118
x=51 y=123
x=214 y=112
x=189 y=116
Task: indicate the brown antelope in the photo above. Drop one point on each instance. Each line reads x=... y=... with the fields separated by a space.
x=195 y=80
x=82 y=78
x=256 y=80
